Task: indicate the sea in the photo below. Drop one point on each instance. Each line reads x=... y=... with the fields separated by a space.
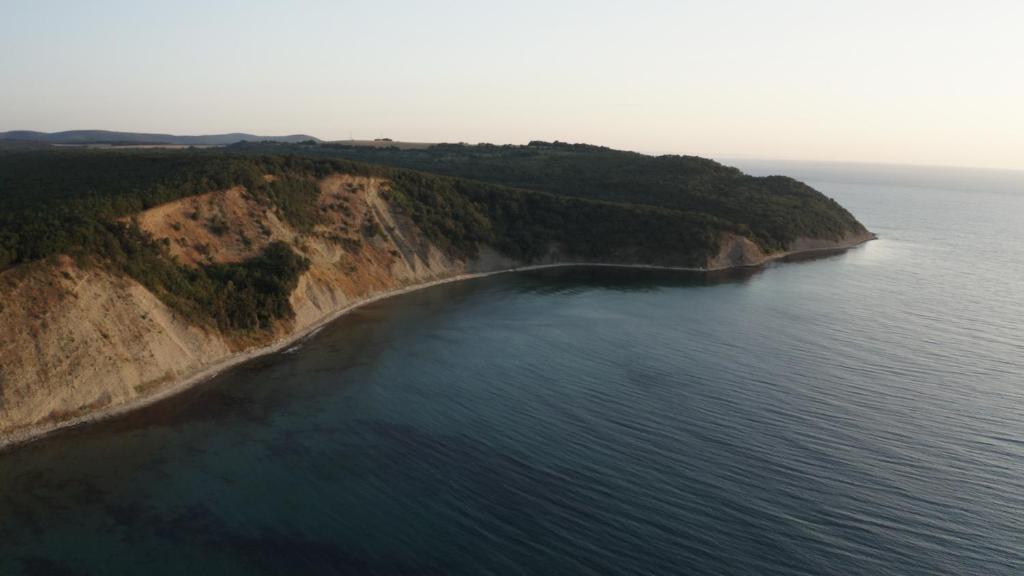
x=852 y=413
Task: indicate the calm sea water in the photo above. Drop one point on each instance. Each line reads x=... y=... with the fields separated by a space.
x=857 y=414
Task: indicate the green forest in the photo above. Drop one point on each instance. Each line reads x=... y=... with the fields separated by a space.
x=773 y=211
x=75 y=202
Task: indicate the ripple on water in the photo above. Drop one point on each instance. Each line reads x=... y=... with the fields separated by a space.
x=858 y=414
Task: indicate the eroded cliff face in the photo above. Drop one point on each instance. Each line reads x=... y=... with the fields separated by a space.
x=736 y=251
x=77 y=342
x=74 y=341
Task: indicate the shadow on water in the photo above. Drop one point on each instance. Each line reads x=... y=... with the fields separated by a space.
x=554 y=280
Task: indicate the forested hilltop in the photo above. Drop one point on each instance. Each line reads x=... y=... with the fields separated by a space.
x=773 y=211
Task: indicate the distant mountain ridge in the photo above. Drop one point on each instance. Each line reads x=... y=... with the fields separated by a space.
x=139 y=138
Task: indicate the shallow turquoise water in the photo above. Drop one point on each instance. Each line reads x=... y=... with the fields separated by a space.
x=857 y=414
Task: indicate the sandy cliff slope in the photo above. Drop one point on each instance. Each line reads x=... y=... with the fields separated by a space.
x=75 y=343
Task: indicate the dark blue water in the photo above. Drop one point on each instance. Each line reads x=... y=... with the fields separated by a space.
x=858 y=414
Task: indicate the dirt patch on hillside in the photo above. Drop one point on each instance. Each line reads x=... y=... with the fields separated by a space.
x=218 y=227
x=735 y=251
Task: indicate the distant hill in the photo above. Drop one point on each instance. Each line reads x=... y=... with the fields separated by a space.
x=84 y=137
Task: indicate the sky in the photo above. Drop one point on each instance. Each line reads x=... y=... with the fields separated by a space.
x=903 y=81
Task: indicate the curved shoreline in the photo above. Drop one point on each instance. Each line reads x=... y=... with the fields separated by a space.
x=33 y=433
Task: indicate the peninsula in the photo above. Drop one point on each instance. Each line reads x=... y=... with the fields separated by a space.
x=127 y=274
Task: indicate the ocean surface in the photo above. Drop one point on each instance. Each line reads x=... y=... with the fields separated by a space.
x=861 y=413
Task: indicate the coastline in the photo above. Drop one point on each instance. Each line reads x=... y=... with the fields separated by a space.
x=33 y=433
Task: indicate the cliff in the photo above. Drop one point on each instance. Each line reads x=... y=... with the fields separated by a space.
x=739 y=251
x=75 y=343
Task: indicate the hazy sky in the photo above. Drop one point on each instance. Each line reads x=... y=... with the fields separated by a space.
x=930 y=82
